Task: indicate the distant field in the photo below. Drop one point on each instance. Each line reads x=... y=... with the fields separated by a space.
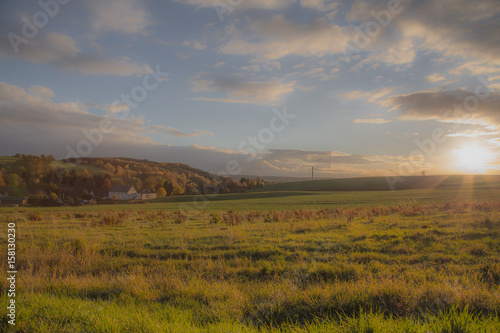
x=267 y=200
x=365 y=262
x=459 y=182
x=4 y=160
x=93 y=170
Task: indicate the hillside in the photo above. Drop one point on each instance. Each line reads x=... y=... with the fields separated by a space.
x=382 y=184
x=49 y=181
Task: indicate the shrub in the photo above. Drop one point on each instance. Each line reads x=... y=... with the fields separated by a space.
x=35 y=216
x=179 y=217
x=110 y=218
x=214 y=218
x=232 y=218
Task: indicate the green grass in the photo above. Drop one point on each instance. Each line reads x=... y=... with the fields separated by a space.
x=476 y=182
x=93 y=170
x=5 y=160
x=293 y=200
x=364 y=262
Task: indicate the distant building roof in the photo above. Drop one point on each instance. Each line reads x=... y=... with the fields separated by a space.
x=120 y=188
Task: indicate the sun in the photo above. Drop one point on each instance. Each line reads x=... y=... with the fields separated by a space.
x=473 y=158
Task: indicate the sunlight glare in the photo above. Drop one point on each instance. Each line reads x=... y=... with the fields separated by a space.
x=473 y=158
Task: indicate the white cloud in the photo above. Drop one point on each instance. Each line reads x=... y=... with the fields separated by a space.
x=178 y=133
x=371 y=121
x=277 y=38
x=195 y=44
x=127 y=16
x=237 y=90
x=42 y=92
x=116 y=108
x=320 y=5
x=243 y=4
x=435 y=77
x=63 y=52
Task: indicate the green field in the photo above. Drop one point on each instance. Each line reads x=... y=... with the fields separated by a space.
x=375 y=261
x=476 y=182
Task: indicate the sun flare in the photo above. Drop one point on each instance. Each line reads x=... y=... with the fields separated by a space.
x=473 y=158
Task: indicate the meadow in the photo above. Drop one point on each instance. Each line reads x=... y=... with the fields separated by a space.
x=407 y=261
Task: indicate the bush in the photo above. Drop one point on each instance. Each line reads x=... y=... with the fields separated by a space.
x=35 y=216
x=214 y=218
x=232 y=218
x=179 y=217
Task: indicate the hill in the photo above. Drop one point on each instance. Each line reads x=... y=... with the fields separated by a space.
x=383 y=184
x=49 y=181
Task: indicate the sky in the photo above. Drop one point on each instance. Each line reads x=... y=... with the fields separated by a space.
x=256 y=87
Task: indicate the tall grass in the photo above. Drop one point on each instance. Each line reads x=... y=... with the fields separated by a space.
x=399 y=268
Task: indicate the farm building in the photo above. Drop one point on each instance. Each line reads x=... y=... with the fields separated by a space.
x=13 y=201
x=147 y=194
x=126 y=192
x=123 y=192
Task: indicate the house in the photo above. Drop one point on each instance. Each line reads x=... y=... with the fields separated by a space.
x=13 y=201
x=123 y=192
x=146 y=195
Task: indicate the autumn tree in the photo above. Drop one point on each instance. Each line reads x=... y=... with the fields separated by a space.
x=160 y=193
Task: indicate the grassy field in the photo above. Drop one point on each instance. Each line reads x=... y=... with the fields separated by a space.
x=407 y=261
x=476 y=182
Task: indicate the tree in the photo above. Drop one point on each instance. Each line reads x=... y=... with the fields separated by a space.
x=178 y=190
x=107 y=184
x=160 y=193
x=169 y=187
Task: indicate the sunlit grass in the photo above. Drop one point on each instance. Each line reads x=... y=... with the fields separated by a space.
x=406 y=267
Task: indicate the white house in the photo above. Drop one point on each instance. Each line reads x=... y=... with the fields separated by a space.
x=123 y=192
x=146 y=194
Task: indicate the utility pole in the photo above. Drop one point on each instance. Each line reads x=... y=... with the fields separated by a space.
x=312 y=173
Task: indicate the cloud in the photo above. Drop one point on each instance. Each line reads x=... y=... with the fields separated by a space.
x=178 y=133
x=35 y=124
x=63 y=52
x=237 y=90
x=42 y=92
x=320 y=5
x=243 y=4
x=116 y=108
x=308 y=157
x=374 y=96
x=276 y=38
x=458 y=106
x=30 y=110
x=194 y=44
x=371 y=121
x=435 y=77
x=127 y=16
x=473 y=133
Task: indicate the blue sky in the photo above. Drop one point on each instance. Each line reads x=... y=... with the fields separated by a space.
x=354 y=88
